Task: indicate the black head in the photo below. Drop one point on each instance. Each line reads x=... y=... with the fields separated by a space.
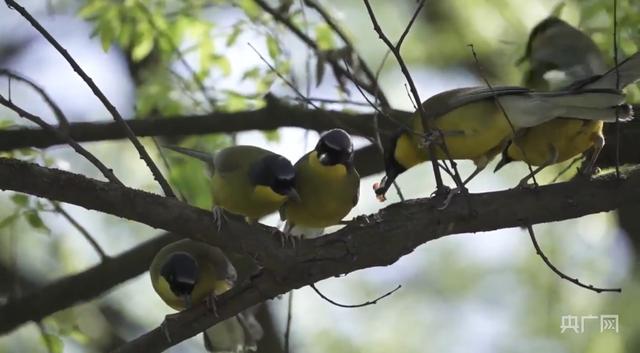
x=181 y=272
x=539 y=30
x=335 y=147
x=391 y=166
x=275 y=172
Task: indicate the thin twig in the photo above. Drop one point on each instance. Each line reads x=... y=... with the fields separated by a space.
x=284 y=79
x=62 y=119
x=395 y=50
x=615 y=62
x=560 y=273
x=567 y=168
x=108 y=173
x=287 y=331
x=371 y=302
x=98 y=93
x=85 y=233
x=331 y=22
x=371 y=87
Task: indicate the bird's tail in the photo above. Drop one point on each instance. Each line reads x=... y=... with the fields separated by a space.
x=238 y=334
x=589 y=104
x=619 y=77
x=203 y=156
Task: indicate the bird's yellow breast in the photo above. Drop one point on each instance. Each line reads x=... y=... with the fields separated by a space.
x=569 y=137
x=205 y=285
x=327 y=193
x=470 y=132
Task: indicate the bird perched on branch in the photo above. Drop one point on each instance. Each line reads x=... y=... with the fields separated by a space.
x=327 y=182
x=247 y=180
x=473 y=126
x=557 y=50
x=188 y=272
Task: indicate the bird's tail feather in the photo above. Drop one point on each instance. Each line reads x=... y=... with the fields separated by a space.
x=626 y=73
x=588 y=98
x=238 y=334
x=203 y=156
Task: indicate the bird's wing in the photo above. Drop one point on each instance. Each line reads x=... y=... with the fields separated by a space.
x=444 y=102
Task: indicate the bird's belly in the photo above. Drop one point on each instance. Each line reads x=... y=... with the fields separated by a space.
x=569 y=138
x=247 y=200
x=326 y=198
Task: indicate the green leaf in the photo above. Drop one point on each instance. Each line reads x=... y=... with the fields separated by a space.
x=273 y=47
x=223 y=64
x=34 y=220
x=92 y=8
x=324 y=37
x=53 y=343
x=250 y=8
x=21 y=200
x=8 y=220
x=235 y=33
x=272 y=135
x=142 y=48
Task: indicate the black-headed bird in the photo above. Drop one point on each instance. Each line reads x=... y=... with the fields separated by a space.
x=556 y=47
x=247 y=180
x=474 y=127
x=188 y=272
x=327 y=182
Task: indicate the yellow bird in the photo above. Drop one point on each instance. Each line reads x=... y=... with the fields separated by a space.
x=556 y=47
x=474 y=127
x=327 y=183
x=247 y=180
x=188 y=272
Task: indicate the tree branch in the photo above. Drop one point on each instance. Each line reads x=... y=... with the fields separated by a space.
x=376 y=240
x=71 y=290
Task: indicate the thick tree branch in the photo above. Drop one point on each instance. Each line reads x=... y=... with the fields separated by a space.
x=376 y=240
x=393 y=232
x=276 y=114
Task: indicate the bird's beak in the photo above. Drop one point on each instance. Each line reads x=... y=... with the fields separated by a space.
x=292 y=194
x=381 y=189
x=323 y=158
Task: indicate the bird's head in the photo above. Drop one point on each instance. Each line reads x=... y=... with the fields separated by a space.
x=392 y=167
x=181 y=273
x=277 y=173
x=335 y=147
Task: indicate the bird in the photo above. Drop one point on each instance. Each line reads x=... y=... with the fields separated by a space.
x=556 y=46
x=247 y=180
x=188 y=272
x=559 y=54
x=474 y=127
x=327 y=182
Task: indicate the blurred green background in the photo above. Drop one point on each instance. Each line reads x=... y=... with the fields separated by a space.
x=484 y=293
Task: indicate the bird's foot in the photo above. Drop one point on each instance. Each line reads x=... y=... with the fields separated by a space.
x=587 y=172
x=441 y=191
x=164 y=326
x=210 y=303
x=524 y=184
x=219 y=217
x=453 y=192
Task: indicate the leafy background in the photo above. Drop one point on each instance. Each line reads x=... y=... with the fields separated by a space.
x=483 y=293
